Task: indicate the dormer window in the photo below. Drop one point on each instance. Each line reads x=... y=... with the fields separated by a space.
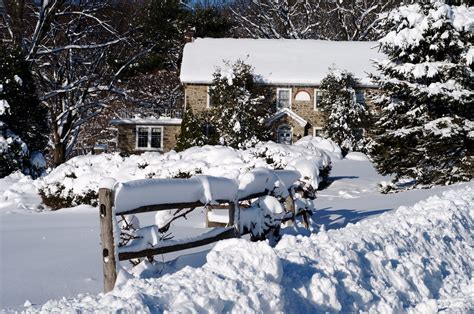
x=283 y=98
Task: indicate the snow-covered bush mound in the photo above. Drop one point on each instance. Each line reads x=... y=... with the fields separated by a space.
x=413 y=259
x=77 y=180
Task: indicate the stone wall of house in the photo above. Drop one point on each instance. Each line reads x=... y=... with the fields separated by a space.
x=196 y=97
x=126 y=138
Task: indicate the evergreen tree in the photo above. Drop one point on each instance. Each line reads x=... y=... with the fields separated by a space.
x=344 y=115
x=195 y=131
x=425 y=131
x=240 y=106
x=27 y=118
x=13 y=151
x=210 y=21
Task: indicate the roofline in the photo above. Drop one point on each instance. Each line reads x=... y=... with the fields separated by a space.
x=146 y=121
x=273 y=84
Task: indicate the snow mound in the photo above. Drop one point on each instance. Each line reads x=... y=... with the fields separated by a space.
x=80 y=177
x=18 y=193
x=318 y=143
x=413 y=259
x=357 y=156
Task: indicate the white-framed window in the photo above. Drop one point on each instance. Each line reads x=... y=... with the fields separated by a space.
x=283 y=98
x=285 y=134
x=149 y=137
x=318 y=96
x=318 y=131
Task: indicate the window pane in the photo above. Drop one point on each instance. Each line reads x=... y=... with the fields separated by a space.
x=318 y=132
x=319 y=97
x=283 y=98
x=156 y=137
x=142 y=137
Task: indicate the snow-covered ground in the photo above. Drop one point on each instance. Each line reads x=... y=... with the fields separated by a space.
x=415 y=257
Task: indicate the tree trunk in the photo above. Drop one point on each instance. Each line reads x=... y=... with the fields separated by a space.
x=59 y=154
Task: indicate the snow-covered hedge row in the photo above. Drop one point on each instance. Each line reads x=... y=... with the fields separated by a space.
x=414 y=259
x=77 y=181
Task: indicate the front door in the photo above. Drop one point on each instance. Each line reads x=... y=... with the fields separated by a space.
x=285 y=135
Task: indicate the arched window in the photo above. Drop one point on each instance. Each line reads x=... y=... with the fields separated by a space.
x=285 y=134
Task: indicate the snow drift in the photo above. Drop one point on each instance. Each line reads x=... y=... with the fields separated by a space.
x=415 y=259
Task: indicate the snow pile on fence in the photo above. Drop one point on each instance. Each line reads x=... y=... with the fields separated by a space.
x=417 y=258
x=77 y=180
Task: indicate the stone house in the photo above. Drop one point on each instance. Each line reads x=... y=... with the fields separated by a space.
x=292 y=68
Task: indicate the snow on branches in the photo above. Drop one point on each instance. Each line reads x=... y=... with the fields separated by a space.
x=425 y=131
x=345 y=114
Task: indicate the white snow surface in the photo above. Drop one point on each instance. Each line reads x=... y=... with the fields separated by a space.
x=83 y=174
x=278 y=61
x=414 y=259
x=70 y=237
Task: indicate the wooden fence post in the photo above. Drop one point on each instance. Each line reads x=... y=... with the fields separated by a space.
x=106 y=202
x=231 y=214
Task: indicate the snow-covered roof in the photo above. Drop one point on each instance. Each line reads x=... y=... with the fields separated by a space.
x=290 y=113
x=279 y=61
x=148 y=121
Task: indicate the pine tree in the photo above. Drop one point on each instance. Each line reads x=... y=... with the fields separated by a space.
x=344 y=115
x=426 y=129
x=27 y=118
x=13 y=151
x=240 y=106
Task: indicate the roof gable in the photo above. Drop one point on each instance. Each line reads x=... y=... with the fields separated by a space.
x=279 y=61
x=290 y=113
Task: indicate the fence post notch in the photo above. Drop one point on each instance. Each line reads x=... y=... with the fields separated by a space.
x=106 y=203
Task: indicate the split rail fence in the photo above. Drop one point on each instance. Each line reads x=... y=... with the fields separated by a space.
x=112 y=254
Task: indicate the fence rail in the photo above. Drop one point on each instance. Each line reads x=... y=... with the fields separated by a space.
x=112 y=254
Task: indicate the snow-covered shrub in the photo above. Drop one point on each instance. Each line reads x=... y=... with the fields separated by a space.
x=425 y=130
x=345 y=116
x=78 y=179
x=13 y=151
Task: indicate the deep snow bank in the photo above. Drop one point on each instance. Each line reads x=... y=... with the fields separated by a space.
x=418 y=258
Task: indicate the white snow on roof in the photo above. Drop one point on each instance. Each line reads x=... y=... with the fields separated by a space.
x=148 y=121
x=279 y=61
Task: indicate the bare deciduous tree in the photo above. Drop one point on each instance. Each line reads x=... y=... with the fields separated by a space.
x=309 y=19
x=77 y=57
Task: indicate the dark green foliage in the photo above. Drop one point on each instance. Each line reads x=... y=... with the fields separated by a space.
x=27 y=117
x=196 y=130
x=240 y=106
x=425 y=131
x=166 y=23
x=164 y=26
x=344 y=115
x=13 y=152
x=57 y=200
x=239 y=109
x=209 y=21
